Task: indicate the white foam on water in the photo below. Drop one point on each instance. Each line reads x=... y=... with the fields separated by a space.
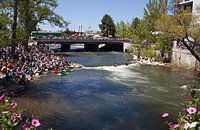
x=125 y=75
x=184 y=87
x=187 y=87
x=122 y=74
x=196 y=90
x=158 y=88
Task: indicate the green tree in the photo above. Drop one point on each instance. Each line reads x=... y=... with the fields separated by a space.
x=5 y=24
x=138 y=34
x=132 y=28
x=39 y=11
x=183 y=26
x=107 y=27
x=27 y=15
x=137 y=30
x=164 y=25
x=121 y=30
x=153 y=11
x=4 y=31
x=163 y=45
x=174 y=6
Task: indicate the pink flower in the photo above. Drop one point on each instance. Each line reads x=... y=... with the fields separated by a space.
x=13 y=118
x=193 y=124
x=187 y=97
x=165 y=115
x=24 y=127
x=35 y=123
x=170 y=124
x=175 y=126
x=14 y=104
x=186 y=121
x=191 y=110
x=20 y=117
x=1 y=98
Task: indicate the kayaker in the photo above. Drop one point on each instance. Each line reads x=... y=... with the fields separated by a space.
x=62 y=71
x=115 y=65
x=126 y=63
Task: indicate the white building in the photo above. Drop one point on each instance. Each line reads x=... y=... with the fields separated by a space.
x=190 y=3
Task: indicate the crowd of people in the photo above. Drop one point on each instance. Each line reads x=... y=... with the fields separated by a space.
x=83 y=37
x=21 y=67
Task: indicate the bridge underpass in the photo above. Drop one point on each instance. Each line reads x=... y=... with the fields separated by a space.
x=89 y=45
x=95 y=47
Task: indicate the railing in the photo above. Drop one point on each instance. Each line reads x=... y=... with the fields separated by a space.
x=84 y=40
x=90 y=39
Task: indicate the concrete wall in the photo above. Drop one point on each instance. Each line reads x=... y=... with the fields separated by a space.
x=181 y=56
x=195 y=4
x=126 y=46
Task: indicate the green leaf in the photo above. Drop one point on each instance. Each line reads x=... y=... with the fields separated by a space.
x=198 y=112
x=9 y=122
x=15 y=124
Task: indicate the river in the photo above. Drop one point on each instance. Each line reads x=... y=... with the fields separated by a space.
x=103 y=97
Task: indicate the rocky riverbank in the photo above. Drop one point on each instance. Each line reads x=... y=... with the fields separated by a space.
x=11 y=89
x=147 y=61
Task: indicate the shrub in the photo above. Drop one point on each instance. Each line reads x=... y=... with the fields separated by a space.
x=11 y=116
x=191 y=119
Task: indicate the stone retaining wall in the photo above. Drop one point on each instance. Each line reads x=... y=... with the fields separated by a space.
x=182 y=57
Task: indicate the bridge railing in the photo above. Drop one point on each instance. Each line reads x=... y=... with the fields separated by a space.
x=83 y=39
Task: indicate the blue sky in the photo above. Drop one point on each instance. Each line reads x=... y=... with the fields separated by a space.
x=90 y=12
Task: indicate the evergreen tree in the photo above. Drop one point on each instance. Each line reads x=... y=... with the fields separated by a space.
x=107 y=27
x=132 y=27
x=140 y=32
x=121 y=30
x=152 y=12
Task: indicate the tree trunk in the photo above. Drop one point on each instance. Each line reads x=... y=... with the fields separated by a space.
x=14 y=28
x=162 y=52
x=138 y=56
x=192 y=51
x=27 y=25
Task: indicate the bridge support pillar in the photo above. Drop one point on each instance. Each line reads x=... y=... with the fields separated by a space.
x=65 y=47
x=91 y=47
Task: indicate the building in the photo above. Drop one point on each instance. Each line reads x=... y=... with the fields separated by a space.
x=46 y=34
x=192 y=4
x=180 y=55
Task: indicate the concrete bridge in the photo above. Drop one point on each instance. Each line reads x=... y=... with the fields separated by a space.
x=89 y=45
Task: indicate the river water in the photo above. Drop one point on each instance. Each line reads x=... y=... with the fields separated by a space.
x=103 y=97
